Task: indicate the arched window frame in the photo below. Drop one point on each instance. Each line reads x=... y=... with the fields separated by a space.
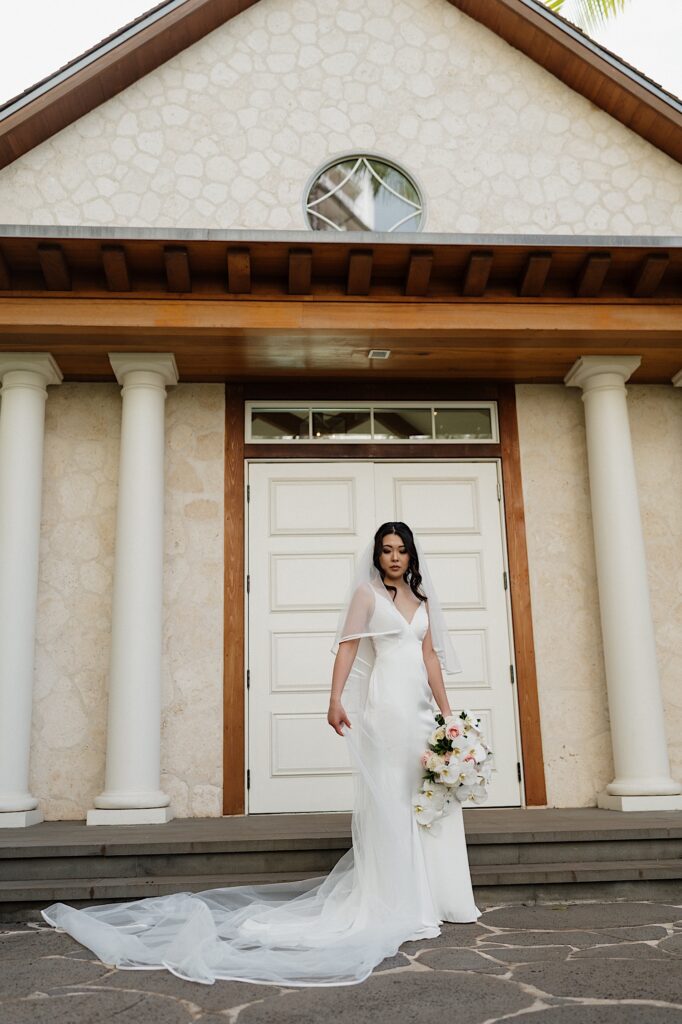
x=358 y=155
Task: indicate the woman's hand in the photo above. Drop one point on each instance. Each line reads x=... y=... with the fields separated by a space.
x=337 y=716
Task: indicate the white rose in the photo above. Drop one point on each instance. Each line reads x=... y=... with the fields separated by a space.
x=435 y=762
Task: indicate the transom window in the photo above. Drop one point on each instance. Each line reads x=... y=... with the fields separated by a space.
x=388 y=422
x=361 y=193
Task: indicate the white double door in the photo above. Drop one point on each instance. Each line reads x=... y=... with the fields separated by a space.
x=307 y=521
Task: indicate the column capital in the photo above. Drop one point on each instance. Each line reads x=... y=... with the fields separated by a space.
x=677 y=379
x=162 y=363
x=34 y=362
x=590 y=371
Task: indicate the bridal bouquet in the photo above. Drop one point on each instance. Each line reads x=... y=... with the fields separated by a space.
x=457 y=766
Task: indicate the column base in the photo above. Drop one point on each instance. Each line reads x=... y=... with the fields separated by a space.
x=130 y=816
x=20 y=819
x=639 y=803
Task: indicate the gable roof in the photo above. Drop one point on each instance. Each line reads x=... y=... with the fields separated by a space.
x=173 y=25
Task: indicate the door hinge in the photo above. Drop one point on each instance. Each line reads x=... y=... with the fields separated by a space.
x=511 y=673
x=499 y=492
x=248 y=778
x=248 y=678
x=518 y=770
x=248 y=584
x=248 y=492
x=505 y=580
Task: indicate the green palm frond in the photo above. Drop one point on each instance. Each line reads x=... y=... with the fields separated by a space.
x=587 y=14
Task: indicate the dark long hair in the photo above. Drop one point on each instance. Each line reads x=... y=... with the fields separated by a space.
x=412 y=575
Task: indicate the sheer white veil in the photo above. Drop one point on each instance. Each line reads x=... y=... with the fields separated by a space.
x=356 y=620
x=327 y=930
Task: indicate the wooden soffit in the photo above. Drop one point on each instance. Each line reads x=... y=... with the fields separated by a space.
x=244 y=306
x=160 y=34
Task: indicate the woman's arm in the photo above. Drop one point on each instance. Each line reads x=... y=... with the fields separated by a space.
x=435 y=675
x=345 y=656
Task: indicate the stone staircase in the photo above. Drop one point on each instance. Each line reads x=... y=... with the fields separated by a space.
x=515 y=855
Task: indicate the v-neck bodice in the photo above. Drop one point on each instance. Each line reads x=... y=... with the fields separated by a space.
x=393 y=637
x=415 y=613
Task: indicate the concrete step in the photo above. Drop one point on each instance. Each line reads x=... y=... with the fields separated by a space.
x=68 y=889
x=45 y=863
x=510 y=850
x=218 y=863
x=93 y=888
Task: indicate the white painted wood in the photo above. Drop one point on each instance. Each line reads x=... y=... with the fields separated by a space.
x=454 y=509
x=306 y=521
x=132 y=790
x=22 y=427
x=640 y=751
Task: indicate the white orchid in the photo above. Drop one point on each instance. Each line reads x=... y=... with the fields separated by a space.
x=450 y=773
x=468 y=774
x=425 y=812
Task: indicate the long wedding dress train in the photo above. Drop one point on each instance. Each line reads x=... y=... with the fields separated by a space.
x=396 y=882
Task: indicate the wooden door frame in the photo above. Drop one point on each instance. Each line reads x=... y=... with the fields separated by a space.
x=237 y=451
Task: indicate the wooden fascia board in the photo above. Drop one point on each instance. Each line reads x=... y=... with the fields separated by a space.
x=113 y=71
x=129 y=316
x=583 y=70
x=572 y=62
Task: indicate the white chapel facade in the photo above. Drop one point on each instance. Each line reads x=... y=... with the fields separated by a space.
x=226 y=358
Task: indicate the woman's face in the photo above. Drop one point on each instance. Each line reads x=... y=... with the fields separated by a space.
x=394 y=558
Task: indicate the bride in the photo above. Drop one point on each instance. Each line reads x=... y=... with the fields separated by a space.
x=398 y=881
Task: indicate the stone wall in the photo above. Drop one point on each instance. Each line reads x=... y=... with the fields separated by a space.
x=571 y=681
x=82 y=434
x=228 y=133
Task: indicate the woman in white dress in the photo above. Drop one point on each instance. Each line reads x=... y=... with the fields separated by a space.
x=396 y=882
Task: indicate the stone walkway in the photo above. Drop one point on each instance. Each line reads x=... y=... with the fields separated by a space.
x=560 y=963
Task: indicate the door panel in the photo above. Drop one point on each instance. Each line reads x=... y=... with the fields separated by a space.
x=455 y=510
x=307 y=521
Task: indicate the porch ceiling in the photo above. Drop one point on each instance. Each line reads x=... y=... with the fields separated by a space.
x=249 y=305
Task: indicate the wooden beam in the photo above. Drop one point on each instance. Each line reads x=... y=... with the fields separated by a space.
x=5 y=280
x=55 y=268
x=238 y=271
x=233 y=623
x=519 y=589
x=300 y=271
x=477 y=273
x=176 y=262
x=359 y=271
x=650 y=275
x=593 y=274
x=129 y=316
x=115 y=268
x=419 y=272
x=535 y=274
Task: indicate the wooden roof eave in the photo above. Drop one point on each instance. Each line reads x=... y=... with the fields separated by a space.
x=204 y=263
x=248 y=305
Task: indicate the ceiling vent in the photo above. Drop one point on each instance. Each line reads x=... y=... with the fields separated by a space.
x=379 y=353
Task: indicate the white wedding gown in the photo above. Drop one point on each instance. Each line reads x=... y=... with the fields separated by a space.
x=396 y=882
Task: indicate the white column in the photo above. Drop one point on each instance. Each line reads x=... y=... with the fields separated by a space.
x=132 y=789
x=22 y=428
x=640 y=752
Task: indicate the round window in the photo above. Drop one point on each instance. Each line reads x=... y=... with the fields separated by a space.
x=361 y=193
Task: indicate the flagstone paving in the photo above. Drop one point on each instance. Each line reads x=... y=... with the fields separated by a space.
x=610 y=962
